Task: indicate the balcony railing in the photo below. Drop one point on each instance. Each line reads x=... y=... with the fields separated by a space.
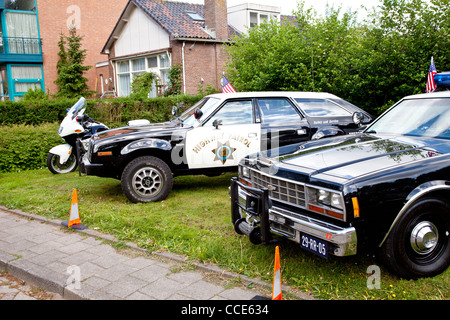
x=20 y=45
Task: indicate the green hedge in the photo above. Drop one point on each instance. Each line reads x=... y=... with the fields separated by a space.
x=25 y=147
x=113 y=112
x=33 y=113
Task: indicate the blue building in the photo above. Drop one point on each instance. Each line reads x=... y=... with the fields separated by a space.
x=21 y=62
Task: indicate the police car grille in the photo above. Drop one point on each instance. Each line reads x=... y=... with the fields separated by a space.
x=280 y=189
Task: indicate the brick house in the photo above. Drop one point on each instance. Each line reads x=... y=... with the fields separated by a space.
x=30 y=29
x=152 y=36
x=29 y=34
x=93 y=20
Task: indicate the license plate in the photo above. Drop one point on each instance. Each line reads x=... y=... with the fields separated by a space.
x=314 y=245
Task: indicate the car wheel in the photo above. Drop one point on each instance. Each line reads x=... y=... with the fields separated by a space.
x=146 y=179
x=55 y=167
x=419 y=244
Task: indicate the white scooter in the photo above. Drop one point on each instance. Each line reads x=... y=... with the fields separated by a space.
x=76 y=129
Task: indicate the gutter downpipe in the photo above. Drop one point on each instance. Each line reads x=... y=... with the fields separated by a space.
x=184 y=69
x=116 y=91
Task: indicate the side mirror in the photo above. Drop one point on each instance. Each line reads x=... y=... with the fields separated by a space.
x=82 y=118
x=175 y=111
x=217 y=123
x=357 y=118
x=198 y=113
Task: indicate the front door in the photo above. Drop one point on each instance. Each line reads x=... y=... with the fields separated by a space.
x=225 y=138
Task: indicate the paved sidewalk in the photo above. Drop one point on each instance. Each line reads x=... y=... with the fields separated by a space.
x=82 y=265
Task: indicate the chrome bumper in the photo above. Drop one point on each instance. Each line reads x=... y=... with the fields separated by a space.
x=254 y=216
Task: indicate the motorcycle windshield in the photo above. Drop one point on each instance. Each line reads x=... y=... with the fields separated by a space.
x=77 y=108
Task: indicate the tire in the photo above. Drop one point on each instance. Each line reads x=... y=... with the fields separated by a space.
x=55 y=167
x=146 y=179
x=419 y=244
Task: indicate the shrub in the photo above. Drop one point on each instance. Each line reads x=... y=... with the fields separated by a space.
x=142 y=85
x=35 y=94
x=25 y=147
x=33 y=112
x=175 y=81
x=117 y=112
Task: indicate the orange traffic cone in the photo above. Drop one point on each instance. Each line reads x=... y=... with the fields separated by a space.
x=276 y=291
x=74 y=221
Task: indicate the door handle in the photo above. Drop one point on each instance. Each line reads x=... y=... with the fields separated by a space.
x=252 y=135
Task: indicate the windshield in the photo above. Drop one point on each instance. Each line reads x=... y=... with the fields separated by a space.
x=416 y=117
x=77 y=107
x=207 y=105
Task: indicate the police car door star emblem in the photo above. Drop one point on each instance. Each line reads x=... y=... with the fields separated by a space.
x=223 y=152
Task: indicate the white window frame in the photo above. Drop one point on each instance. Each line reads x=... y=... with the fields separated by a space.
x=260 y=17
x=161 y=70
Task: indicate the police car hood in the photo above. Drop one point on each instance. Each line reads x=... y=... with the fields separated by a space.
x=351 y=156
x=136 y=132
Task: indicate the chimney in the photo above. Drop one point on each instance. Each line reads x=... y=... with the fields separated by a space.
x=216 y=18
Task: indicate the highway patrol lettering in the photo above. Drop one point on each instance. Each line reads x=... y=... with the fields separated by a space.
x=203 y=143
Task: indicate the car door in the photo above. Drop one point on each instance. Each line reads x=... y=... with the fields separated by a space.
x=223 y=139
x=281 y=123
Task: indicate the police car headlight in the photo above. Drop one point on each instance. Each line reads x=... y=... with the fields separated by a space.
x=326 y=198
x=323 y=197
x=336 y=201
x=244 y=172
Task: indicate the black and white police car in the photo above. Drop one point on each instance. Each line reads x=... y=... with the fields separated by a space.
x=212 y=136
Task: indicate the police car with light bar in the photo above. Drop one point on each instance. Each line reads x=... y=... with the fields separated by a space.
x=386 y=189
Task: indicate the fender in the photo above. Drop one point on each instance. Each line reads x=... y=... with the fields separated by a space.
x=146 y=144
x=63 y=151
x=416 y=194
x=327 y=132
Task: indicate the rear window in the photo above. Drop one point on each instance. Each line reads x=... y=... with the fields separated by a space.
x=321 y=108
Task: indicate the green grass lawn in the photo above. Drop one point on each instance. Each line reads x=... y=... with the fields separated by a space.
x=195 y=221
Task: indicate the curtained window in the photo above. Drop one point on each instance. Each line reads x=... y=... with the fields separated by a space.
x=26 y=77
x=127 y=70
x=22 y=32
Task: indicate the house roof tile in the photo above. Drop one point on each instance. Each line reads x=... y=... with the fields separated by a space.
x=174 y=18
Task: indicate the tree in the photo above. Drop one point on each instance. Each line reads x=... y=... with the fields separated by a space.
x=270 y=57
x=70 y=68
x=311 y=54
x=333 y=44
x=398 y=46
x=62 y=54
